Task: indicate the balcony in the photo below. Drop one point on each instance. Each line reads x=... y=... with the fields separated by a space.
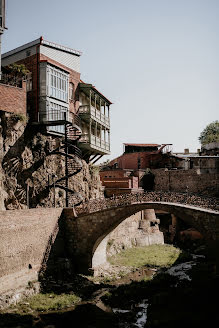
x=88 y=112
x=93 y=142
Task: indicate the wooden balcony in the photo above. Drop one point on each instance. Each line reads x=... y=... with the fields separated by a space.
x=91 y=142
x=88 y=112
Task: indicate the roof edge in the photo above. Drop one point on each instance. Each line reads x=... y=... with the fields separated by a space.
x=42 y=42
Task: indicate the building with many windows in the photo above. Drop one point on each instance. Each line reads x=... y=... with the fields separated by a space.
x=55 y=93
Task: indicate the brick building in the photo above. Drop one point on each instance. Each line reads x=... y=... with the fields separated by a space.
x=13 y=98
x=142 y=156
x=119 y=181
x=55 y=93
x=129 y=172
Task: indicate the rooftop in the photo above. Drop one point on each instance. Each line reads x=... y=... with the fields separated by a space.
x=41 y=41
x=141 y=145
x=89 y=86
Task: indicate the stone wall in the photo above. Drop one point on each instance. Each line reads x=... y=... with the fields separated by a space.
x=193 y=180
x=133 y=231
x=26 y=240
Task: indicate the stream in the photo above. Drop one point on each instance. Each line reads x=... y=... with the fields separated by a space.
x=180 y=296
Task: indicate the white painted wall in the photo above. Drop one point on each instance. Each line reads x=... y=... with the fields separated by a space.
x=67 y=59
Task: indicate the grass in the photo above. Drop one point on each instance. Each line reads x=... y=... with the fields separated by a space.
x=153 y=255
x=45 y=302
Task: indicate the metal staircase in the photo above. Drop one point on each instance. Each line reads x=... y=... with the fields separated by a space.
x=73 y=161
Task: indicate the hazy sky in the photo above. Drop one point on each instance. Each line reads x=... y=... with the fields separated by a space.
x=156 y=60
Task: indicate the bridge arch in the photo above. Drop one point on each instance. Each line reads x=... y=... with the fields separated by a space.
x=92 y=228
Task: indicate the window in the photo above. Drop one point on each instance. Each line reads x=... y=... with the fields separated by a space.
x=71 y=91
x=58 y=84
x=29 y=82
x=56 y=112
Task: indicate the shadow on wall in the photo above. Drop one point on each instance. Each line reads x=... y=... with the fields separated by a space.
x=19 y=165
x=57 y=265
x=147 y=181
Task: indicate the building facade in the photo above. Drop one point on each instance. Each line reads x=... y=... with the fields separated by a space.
x=56 y=94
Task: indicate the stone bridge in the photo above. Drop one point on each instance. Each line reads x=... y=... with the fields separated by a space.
x=87 y=230
x=34 y=241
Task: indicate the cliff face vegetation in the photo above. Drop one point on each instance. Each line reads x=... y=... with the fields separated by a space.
x=27 y=162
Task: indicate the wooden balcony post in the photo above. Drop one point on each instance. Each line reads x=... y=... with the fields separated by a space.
x=90 y=100
x=100 y=108
x=95 y=104
x=90 y=131
x=96 y=133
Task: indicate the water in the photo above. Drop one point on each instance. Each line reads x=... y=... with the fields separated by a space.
x=140 y=317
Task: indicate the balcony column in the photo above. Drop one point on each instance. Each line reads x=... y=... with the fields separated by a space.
x=90 y=101
x=109 y=139
x=90 y=131
x=100 y=135
x=104 y=137
x=96 y=133
x=95 y=104
x=100 y=109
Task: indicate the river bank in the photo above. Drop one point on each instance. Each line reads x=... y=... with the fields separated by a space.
x=182 y=295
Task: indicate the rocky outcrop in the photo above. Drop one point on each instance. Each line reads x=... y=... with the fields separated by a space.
x=135 y=231
x=27 y=166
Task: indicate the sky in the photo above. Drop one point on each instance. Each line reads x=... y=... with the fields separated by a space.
x=156 y=60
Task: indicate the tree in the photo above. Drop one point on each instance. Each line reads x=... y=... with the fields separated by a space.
x=210 y=133
x=14 y=74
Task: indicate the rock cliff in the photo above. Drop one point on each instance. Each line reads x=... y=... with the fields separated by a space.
x=26 y=163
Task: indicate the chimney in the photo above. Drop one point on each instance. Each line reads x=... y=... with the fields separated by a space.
x=186 y=151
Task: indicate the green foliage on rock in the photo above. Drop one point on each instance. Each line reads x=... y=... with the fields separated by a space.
x=210 y=133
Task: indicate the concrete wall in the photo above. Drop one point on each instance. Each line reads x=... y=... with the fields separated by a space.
x=13 y=99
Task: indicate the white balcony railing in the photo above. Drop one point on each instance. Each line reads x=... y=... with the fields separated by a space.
x=95 y=142
x=95 y=113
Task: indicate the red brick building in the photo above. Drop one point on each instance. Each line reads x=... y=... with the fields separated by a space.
x=142 y=156
x=56 y=93
x=129 y=172
x=119 y=181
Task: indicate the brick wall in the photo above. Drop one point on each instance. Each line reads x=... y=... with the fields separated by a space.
x=185 y=180
x=117 y=182
x=140 y=160
x=118 y=179
x=13 y=99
